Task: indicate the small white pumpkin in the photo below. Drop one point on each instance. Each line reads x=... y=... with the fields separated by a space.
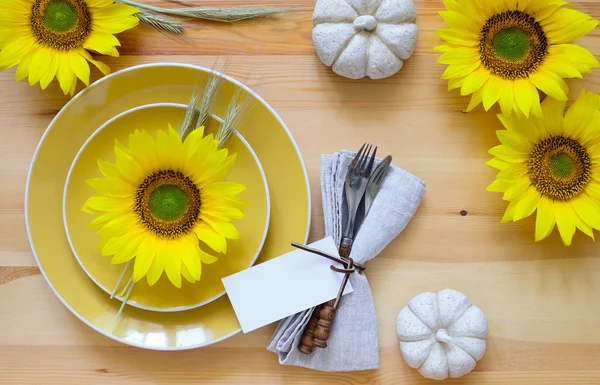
x=442 y=334
x=365 y=37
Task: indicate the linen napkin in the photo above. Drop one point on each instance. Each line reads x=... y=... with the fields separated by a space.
x=353 y=342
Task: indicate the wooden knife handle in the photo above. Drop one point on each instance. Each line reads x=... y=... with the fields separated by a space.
x=306 y=343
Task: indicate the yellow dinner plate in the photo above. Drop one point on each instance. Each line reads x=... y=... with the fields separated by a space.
x=163 y=296
x=155 y=83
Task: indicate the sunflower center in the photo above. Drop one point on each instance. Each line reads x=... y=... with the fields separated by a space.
x=512 y=45
x=559 y=168
x=562 y=166
x=60 y=16
x=168 y=203
x=60 y=24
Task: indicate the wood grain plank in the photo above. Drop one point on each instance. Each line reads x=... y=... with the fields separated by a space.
x=540 y=299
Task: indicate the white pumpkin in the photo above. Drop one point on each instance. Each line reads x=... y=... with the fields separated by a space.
x=365 y=37
x=442 y=334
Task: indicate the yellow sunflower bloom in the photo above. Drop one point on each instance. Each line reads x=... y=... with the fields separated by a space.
x=552 y=165
x=504 y=51
x=51 y=38
x=160 y=198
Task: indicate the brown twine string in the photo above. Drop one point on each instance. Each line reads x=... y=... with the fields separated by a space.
x=349 y=267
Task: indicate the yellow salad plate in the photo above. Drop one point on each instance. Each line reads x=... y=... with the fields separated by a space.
x=76 y=122
x=163 y=296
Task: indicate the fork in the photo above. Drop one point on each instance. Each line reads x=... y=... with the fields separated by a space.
x=357 y=180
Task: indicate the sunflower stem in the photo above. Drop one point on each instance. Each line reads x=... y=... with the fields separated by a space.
x=114 y=292
x=125 y=301
x=126 y=286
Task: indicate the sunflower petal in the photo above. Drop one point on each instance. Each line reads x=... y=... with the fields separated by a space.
x=552 y=110
x=103 y=43
x=80 y=67
x=550 y=83
x=523 y=95
x=514 y=141
x=101 y=66
x=454 y=36
x=507 y=155
x=208 y=235
x=459 y=55
x=507 y=98
x=128 y=168
x=527 y=204
x=510 y=212
x=581 y=113
x=159 y=262
x=102 y=203
x=497 y=164
x=492 y=90
x=187 y=275
x=459 y=70
x=545 y=221
x=565 y=221
x=146 y=253
x=584 y=227
x=567 y=24
x=588 y=210
x=475 y=81
x=51 y=70
x=476 y=100
x=226 y=229
x=190 y=257
x=13 y=52
x=115 y=244
x=65 y=75
x=173 y=268
x=517 y=191
x=128 y=251
x=499 y=186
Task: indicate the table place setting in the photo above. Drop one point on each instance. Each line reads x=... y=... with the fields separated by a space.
x=168 y=206
x=394 y=197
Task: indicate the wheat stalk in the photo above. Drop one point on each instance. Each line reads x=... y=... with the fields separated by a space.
x=233 y=117
x=227 y=15
x=159 y=23
x=191 y=115
x=210 y=94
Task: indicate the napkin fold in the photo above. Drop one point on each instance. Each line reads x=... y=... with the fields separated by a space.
x=353 y=342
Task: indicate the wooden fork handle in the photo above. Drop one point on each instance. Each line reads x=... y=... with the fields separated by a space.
x=307 y=341
x=345 y=249
x=326 y=316
x=327 y=311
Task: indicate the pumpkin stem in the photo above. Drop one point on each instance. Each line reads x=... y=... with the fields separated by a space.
x=365 y=22
x=442 y=336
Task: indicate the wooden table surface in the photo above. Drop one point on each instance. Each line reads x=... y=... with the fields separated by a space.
x=541 y=300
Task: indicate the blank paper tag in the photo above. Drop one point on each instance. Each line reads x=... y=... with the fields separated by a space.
x=283 y=286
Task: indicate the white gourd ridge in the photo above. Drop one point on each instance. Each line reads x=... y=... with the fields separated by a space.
x=359 y=38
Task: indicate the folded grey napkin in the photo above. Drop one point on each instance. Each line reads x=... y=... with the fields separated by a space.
x=353 y=342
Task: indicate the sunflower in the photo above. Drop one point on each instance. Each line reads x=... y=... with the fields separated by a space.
x=50 y=38
x=552 y=165
x=505 y=50
x=160 y=198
